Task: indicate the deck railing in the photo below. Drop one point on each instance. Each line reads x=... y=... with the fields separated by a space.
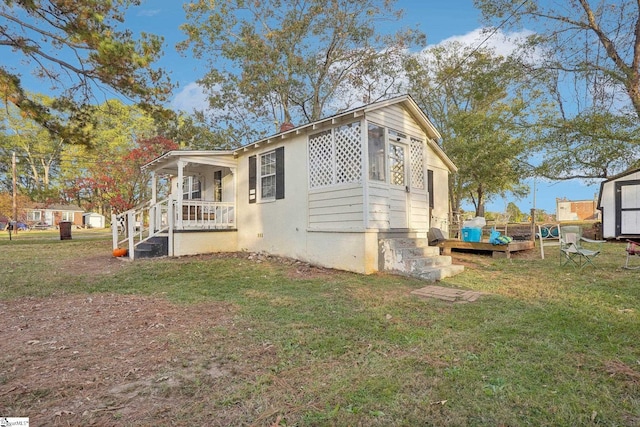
x=147 y=220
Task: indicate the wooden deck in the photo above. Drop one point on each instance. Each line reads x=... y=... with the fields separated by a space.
x=498 y=251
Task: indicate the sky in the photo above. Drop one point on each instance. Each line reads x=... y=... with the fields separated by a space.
x=441 y=20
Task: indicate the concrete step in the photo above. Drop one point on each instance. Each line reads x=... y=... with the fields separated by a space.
x=418 y=263
x=413 y=257
x=405 y=242
x=420 y=251
x=440 y=272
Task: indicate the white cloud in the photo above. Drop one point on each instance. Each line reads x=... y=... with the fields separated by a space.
x=503 y=43
x=191 y=98
x=149 y=12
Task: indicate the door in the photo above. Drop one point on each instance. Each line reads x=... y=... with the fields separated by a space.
x=398 y=188
x=627 y=208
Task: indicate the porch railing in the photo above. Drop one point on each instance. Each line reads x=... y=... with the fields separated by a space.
x=202 y=214
x=147 y=220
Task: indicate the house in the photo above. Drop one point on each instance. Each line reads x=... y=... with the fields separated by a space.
x=357 y=191
x=49 y=215
x=576 y=210
x=619 y=204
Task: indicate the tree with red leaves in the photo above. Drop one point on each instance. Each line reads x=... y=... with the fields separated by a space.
x=119 y=183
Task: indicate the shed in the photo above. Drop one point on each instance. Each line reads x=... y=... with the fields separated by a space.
x=93 y=220
x=619 y=203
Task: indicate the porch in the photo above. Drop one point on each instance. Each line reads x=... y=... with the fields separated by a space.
x=162 y=220
x=201 y=189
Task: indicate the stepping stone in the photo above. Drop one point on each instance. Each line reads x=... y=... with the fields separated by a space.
x=460 y=296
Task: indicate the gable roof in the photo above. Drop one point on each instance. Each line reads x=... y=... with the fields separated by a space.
x=56 y=207
x=614 y=178
x=405 y=100
x=223 y=157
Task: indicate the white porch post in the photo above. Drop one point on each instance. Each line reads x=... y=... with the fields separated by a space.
x=364 y=143
x=154 y=188
x=153 y=208
x=180 y=192
x=170 y=214
x=234 y=172
x=114 y=230
x=131 y=230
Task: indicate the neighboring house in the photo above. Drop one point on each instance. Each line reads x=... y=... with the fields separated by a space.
x=335 y=193
x=619 y=202
x=52 y=214
x=576 y=210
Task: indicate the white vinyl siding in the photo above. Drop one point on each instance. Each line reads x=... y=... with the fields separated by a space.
x=336 y=208
x=379 y=213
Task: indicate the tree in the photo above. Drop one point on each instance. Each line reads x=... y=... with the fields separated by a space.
x=119 y=182
x=480 y=103
x=600 y=43
x=277 y=61
x=115 y=134
x=593 y=144
x=587 y=55
x=514 y=213
x=6 y=205
x=75 y=47
x=37 y=150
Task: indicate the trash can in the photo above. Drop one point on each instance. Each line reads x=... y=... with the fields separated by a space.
x=65 y=230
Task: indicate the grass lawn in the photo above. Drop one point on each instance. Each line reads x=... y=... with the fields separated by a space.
x=547 y=345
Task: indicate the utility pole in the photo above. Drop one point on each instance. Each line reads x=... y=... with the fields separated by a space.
x=15 y=193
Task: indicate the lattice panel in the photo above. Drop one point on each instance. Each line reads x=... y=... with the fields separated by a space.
x=417 y=164
x=348 y=154
x=396 y=164
x=321 y=160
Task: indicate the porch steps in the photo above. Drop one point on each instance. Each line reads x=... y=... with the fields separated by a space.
x=412 y=256
x=153 y=247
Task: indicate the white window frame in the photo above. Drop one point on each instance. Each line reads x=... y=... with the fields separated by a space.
x=266 y=176
x=191 y=186
x=34 y=216
x=67 y=216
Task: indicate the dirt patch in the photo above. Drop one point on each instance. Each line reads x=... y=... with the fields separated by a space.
x=297 y=269
x=94 y=266
x=104 y=359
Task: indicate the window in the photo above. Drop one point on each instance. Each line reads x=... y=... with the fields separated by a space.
x=430 y=187
x=266 y=174
x=34 y=216
x=191 y=188
x=67 y=216
x=377 y=166
x=217 y=186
